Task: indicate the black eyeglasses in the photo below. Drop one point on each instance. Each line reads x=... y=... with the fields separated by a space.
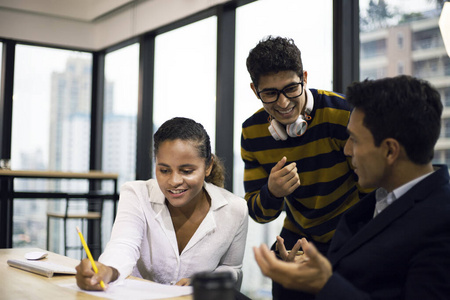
x=290 y=91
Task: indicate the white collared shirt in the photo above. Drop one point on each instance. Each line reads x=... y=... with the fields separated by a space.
x=382 y=195
x=143 y=241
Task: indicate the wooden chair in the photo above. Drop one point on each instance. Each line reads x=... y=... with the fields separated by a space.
x=95 y=203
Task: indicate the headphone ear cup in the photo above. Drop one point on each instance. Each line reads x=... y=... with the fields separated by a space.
x=297 y=128
x=277 y=130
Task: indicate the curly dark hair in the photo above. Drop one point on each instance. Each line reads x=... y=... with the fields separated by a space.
x=188 y=130
x=272 y=55
x=404 y=108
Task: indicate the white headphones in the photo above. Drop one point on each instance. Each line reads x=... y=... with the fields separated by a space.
x=295 y=129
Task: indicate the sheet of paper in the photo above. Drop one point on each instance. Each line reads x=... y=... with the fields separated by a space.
x=136 y=290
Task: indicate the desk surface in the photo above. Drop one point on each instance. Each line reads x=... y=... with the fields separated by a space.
x=19 y=284
x=58 y=174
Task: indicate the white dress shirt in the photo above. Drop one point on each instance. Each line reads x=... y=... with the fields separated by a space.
x=384 y=199
x=143 y=241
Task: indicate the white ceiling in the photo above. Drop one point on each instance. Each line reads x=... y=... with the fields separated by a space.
x=90 y=24
x=81 y=10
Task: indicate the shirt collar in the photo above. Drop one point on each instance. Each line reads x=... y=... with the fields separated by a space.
x=400 y=191
x=381 y=193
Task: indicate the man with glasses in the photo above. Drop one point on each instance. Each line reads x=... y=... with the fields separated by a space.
x=293 y=152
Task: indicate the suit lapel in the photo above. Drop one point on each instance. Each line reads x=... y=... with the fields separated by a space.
x=372 y=227
x=357 y=226
x=350 y=224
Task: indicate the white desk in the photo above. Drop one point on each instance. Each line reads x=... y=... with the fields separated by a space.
x=18 y=284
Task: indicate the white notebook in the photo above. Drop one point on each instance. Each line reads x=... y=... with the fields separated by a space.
x=44 y=268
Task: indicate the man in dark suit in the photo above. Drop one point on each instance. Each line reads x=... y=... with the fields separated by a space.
x=395 y=243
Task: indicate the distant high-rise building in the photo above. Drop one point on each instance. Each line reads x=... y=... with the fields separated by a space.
x=119 y=145
x=70 y=130
x=413 y=47
x=70 y=116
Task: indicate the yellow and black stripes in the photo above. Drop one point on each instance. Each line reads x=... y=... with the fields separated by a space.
x=328 y=184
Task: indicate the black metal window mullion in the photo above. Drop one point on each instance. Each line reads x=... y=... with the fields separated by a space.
x=6 y=97
x=6 y=103
x=226 y=36
x=144 y=160
x=96 y=143
x=345 y=43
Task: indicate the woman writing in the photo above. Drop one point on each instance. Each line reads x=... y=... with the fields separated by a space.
x=182 y=223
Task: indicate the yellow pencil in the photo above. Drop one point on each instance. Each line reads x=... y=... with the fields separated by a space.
x=88 y=252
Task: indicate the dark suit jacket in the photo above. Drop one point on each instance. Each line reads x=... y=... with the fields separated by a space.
x=403 y=253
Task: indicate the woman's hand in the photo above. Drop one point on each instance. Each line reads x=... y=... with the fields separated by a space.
x=184 y=282
x=88 y=280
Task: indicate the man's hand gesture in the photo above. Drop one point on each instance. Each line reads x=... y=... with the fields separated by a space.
x=283 y=180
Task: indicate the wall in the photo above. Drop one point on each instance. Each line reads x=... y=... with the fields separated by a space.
x=126 y=22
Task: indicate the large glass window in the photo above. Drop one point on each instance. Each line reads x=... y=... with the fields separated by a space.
x=288 y=18
x=51 y=109
x=394 y=33
x=406 y=37
x=120 y=119
x=120 y=112
x=185 y=75
x=50 y=128
x=446 y=97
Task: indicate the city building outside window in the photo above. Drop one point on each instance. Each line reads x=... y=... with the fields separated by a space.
x=423 y=54
x=50 y=131
x=120 y=120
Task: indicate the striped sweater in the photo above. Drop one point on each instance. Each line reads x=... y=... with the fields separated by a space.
x=328 y=183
